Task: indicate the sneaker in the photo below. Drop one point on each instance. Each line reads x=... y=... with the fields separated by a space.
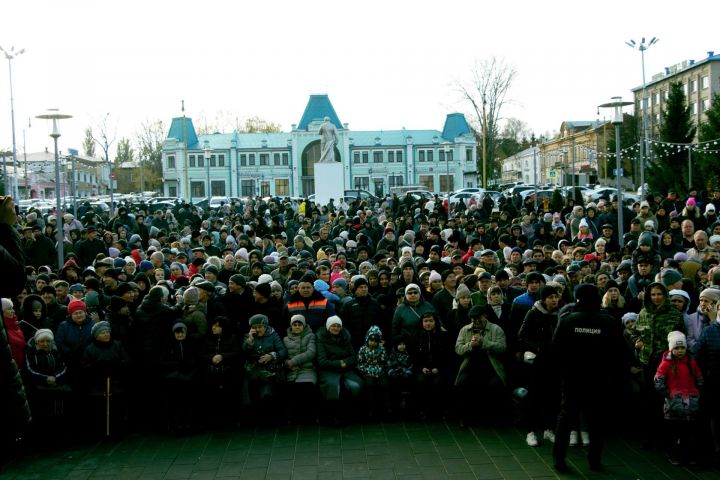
x=549 y=436
x=573 y=439
x=531 y=440
x=585 y=438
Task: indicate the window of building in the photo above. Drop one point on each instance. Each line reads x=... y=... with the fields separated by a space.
x=377 y=156
x=685 y=89
x=362 y=183
x=276 y=159
x=264 y=159
x=429 y=155
x=704 y=82
x=282 y=187
x=391 y=156
x=705 y=104
x=172 y=191
x=201 y=161
x=693 y=86
x=395 y=181
x=427 y=181
x=247 y=188
x=399 y=156
x=191 y=160
x=421 y=155
x=221 y=160
x=694 y=108
x=197 y=189
x=265 y=189
x=218 y=188
x=356 y=157
x=468 y=154
x=365 y=157
x=171 y=161
x=286 y=159
x=251 y=159
x=213 y=160
x=441 y=155
x=447 y=183
x=666 y=94
x=243 y=160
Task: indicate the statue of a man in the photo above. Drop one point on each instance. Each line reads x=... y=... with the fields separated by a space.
x=328 y=139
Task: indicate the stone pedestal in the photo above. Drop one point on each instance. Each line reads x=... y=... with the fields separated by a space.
x=329 y=182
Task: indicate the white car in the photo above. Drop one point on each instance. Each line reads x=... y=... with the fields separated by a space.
x=468 y=198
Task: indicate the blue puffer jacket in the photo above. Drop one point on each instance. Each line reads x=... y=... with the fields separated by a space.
x=71 y=339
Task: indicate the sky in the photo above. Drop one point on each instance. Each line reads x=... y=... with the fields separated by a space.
x=384 y=64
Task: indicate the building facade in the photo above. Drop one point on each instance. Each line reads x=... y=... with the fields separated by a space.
x=574 y=151
x=700 y=80
x=36 y=175
x=523 y=167
x=282 y=164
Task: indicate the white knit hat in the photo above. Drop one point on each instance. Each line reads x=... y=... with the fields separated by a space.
x=7 y=304
x=676 y=339
x=332 y=321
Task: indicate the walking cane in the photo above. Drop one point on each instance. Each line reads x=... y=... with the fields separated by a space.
x=107 y=408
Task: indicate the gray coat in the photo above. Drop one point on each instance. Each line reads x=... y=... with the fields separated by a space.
x=301 y=352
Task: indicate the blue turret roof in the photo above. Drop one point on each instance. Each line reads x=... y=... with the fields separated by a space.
x=455 y=126
x=318 y=107
x=176 y=131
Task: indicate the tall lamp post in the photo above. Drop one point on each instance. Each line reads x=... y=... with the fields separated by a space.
x=617 y=105
x=54 y=115
x=642 y=46
x=73 y=185
x=446 y=149
x=10 y=55
x=207 y=166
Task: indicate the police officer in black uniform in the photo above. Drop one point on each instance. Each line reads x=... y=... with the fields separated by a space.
x=586 y=348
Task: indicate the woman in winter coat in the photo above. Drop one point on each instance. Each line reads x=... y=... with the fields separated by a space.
x=535 y=338
x=265 y=354
x=180 y=365
x=73 y=336
x=432 y=366
x=300 y=374
x=35 y=316
x=406 y=320
x=15 y=336
x=336 y=360
x=45 y=376
x=656 y=320
x=221 y=359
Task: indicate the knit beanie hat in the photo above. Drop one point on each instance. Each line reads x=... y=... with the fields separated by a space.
x=99 y=328
x=676 y=339
x=43 y=333
x=191 y=296
x=712 y=294
x=7 y=304
x=265 y=278
x=263 y=289
x=76 y=305
x=332 y=321
x=646 y=238
x=670 y=276
x=435 y=277
x=259 y=319
x=462 y=291
x=297 y=318
x=547 y=291
x=146 y=265
x=629 y=317
x=342 y=283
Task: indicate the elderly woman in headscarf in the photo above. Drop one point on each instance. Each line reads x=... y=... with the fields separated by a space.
x=406 y=320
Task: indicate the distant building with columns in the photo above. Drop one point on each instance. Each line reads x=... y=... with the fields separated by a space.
x=282 y=164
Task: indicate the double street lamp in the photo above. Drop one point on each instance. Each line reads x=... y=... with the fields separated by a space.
x=54 y=115
x=10 y=55
x=642 y=46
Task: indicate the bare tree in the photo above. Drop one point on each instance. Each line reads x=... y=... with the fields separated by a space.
x=104 y=139
x=486 y=92
x=149 y=140
x=225 y=121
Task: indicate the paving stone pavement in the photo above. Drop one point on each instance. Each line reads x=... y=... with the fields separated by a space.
x=403 y=451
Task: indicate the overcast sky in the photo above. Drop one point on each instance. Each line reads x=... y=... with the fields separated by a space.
x=385 y=64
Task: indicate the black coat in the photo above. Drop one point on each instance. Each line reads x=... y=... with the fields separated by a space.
x=358 y=315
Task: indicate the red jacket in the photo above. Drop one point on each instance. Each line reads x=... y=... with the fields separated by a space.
x=678 y=377
x=16 y=339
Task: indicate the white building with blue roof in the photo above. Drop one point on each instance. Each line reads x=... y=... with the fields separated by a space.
x=282 y=164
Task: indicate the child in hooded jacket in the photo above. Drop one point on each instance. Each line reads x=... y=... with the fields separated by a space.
x=371 y=362
x=678 y=379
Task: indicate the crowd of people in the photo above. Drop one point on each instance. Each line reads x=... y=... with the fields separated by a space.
x=484 y=314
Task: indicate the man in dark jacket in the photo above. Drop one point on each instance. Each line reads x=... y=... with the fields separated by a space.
x=360 y=312
x=309 y=303
x=580 y=349
x=13 y=403
x=40 y=250
x=89 y=248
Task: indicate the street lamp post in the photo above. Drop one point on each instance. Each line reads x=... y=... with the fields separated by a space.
x=10 y=55
x=617 y=105
x=207 y=166
x=535 y=182
x=446 y=148
x=643 y=143
x=73 y=184
x=54 y=115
